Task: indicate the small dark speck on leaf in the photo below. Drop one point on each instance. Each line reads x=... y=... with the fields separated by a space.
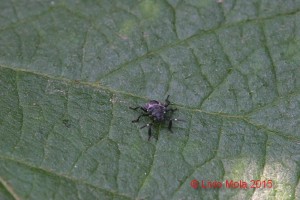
x=67 y=123
x=229 y=70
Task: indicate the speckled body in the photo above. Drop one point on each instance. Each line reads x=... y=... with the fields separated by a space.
x=156 y=110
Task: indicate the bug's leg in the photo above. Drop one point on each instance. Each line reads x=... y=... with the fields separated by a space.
x=167 y=101
x=171 y=122
x=149 y=130
x=171 y=109
x=136 y=120
x=149 y=133
x=170 y=126
x=134 y=108
x=143 y=109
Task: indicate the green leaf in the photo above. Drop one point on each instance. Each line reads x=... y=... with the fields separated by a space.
x=69 y=70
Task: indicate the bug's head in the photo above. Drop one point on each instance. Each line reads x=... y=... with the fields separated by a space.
x=150 y=105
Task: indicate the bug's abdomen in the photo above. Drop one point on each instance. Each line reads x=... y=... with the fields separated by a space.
x=158 y=113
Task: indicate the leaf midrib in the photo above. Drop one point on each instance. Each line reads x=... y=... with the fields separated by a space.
x=244 y=118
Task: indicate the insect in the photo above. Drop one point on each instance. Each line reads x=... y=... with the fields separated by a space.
x=158 y=112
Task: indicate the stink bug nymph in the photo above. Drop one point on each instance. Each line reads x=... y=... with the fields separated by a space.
x=158 y=112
